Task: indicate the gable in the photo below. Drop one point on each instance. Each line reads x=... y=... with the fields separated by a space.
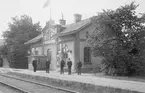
x=87 y=30
x=48 y=33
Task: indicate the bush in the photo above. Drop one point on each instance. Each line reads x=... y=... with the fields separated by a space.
x=119 y=38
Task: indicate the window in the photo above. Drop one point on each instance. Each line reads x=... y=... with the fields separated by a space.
x=36 y=52
x=87 y=55
x=65 y=55
x=33 y=51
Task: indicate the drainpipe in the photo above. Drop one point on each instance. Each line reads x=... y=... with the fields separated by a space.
x=43 y=43
x=76 y=49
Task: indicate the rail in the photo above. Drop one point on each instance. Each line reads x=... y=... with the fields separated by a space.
x=14 y=87
x=38 y=83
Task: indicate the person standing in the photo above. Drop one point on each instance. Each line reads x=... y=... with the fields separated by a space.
x=47 y=65
x=34 y=63
x=62 y=66
x=1 y=61
x=69 y=64
x=79 y=66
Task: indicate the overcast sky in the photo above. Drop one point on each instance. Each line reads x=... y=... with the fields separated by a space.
x=34 y=8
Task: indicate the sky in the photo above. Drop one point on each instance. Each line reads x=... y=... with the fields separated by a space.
x=34 y=9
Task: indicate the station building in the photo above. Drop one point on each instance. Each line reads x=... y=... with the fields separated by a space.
x=63 y=41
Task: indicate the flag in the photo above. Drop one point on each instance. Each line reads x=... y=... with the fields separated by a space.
x=46 y=4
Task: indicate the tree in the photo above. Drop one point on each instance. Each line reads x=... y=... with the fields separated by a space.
x=21 y=29
x=119 y=38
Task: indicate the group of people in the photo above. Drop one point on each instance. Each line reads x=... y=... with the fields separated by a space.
x=62 y=65
x=69 y=65
x=34 y=63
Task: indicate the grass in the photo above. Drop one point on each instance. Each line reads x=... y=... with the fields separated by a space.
x=131 y=78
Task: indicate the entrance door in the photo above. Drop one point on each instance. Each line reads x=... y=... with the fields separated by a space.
x=49 y=54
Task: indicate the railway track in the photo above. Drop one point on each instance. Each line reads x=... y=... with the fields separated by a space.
x=12 y=88
x=23 y=85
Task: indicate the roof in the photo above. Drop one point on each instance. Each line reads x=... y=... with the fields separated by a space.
x=37 y=38
x=69 y=29
x=73 y=28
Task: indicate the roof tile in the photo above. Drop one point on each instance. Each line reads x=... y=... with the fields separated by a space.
x=75 y=26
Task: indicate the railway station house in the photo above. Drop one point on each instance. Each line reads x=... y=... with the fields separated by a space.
x=63 y=41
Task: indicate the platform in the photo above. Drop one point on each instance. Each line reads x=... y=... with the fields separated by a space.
x=84 y=79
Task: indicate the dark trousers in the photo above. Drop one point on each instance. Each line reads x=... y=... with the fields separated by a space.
x=34 y=68
x=47 y=69
x=69 y=70
x=62 y=70
x=79 y=71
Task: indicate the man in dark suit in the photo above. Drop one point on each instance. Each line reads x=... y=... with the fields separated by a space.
x=79 y=66
x=47 y=65
x=1 y=61
x=69 y=64
x=34 y=63
x=62 y=66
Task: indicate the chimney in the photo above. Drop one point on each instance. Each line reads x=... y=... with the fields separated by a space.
x=77 y=17
x=62 y=22
x=59 y=28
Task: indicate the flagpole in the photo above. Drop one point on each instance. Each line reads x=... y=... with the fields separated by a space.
x=46 y=4
x=50 y=10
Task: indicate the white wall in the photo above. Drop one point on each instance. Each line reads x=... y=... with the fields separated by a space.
x=5 y=62
x=69 y=41
x=82 y=33
x=52 y=48
x=30 y=59
x=70 y=45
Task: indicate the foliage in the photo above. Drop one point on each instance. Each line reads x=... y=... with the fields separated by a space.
x=119 y=38
x=3 y=48
x=21 y=29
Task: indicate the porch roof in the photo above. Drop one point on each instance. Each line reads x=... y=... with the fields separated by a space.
x=37 y=38
x=37 y=56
